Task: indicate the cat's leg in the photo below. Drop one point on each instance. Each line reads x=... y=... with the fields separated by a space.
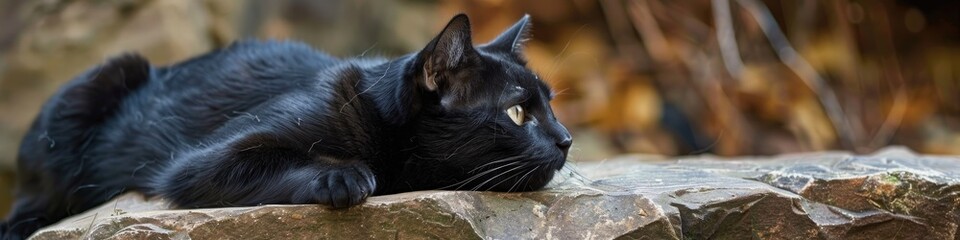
x=54 y=178
x=23 y=220
x=255 y=169
x=40 y=202
x=27 y=215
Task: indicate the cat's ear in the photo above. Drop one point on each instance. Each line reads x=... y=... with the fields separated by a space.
x=450 y=49
x=511 y=40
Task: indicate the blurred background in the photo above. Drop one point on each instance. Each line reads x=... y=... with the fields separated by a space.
x=724 y=77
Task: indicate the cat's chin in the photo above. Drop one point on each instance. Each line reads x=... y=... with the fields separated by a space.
x=555 y=161
x=560 y=161
x=538 y=178
x=539 y=183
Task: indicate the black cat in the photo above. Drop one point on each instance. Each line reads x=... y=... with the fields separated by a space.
x=278 y=122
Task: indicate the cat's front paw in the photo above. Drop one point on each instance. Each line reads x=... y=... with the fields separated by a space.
x=345 y=186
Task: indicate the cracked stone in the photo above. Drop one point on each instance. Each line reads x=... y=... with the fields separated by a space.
x=892 y=194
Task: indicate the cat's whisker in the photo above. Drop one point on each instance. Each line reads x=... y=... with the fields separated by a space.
x=571 y=157
x=564 y=60
x=485 y=173
x=564 y=50
x=504 y=179
x=458 y=148
x=528 y=180
x=495 y=177
x=468 y=180
x=522 y=177
x=463 y=183
x=563 y=91
x=577 y=175
x=516 y=164
x=495 y=162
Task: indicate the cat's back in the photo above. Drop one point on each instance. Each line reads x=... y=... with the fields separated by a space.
x=186 y=102
x=272 y=64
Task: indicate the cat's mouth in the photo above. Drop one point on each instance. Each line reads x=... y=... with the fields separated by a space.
x=557 y=162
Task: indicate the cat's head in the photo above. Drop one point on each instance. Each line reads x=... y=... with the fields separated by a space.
x=486 y=121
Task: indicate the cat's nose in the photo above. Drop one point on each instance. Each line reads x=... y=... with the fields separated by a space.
x=564 y=144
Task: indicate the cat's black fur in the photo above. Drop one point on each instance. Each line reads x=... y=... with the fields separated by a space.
x=278 y=122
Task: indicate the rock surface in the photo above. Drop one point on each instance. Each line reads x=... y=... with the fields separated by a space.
x=890 y=195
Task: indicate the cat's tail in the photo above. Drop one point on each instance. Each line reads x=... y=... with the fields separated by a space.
x=54 y=173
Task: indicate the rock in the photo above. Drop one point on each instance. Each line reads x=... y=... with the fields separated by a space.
x=893 y=194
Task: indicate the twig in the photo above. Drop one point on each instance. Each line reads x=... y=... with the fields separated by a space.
x=619 y=28
x=700 y=67
x=727 y=39
x=901 y=101
x=803 y=69
x=893 y=120
x=646 y=24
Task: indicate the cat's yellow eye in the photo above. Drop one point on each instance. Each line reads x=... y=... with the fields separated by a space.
x=516 y=114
